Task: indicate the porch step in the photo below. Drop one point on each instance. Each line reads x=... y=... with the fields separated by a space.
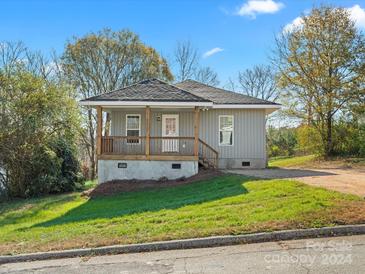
x=205 y=163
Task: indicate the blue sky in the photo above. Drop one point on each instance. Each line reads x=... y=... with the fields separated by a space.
x=241 y=31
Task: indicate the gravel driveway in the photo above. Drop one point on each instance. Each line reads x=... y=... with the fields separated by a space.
x=347 y=180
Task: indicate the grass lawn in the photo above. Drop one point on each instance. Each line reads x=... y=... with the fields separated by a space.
x=314 y=161
x=291 y=161
x=229 y=204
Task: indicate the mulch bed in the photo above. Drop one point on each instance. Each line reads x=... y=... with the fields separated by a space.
x=120 y=186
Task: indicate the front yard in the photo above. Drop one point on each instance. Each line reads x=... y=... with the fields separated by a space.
x=229 y=204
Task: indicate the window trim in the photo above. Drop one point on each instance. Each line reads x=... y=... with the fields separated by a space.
x=139 y=128
x=219 y=131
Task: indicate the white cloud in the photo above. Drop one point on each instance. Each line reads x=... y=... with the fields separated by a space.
x=296 y=23
x=212 y=52
x=357 y=14
x=254 y=7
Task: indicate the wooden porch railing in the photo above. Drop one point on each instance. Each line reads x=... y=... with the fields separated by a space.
x=157 y=145
x=184 y=146
x=207 y=154
x=172 y=145
x=123 y=145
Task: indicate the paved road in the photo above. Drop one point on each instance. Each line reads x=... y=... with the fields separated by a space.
x=327 y=255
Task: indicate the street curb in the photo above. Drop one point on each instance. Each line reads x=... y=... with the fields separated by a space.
x=192 y=243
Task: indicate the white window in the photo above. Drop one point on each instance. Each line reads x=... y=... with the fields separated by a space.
x=133 y=127
x=226 y=130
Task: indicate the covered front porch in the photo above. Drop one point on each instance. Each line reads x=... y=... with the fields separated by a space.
x=153 y=133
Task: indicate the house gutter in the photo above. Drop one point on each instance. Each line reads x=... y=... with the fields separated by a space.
x=269 y=108
x=145 y=103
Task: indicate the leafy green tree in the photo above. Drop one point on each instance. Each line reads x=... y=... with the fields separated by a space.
x=104 y=61
x=309 y=140
x=281 y=141
x=38 y=133
x=321 y=64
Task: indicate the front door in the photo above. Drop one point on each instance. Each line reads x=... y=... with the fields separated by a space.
x=170 y=128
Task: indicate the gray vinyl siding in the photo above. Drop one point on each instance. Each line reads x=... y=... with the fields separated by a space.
x=249 y=138
x=118 y=118
x=248 y=135
x=186 y=121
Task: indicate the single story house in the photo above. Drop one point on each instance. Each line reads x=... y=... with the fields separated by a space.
x=163 y=130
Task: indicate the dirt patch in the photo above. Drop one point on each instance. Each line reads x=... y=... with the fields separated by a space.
x=120 y=186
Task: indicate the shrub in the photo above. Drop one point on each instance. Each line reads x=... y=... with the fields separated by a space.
x=281 y=141
x=309 y=140
x=38 y=132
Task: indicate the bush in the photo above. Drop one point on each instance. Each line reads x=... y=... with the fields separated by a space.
x=309 y=140
x=45 y=170
x=38 y=132
x=70 y=166
x=281 y=141
x=349 y=138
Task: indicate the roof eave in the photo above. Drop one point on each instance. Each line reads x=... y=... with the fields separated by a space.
x=145 y=103
x=269 y=108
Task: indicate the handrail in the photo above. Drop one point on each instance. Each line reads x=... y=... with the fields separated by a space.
x=204 y=143
x=206 y=155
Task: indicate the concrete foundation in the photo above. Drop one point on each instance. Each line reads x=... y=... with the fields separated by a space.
x=232 y=163
x=109 y=170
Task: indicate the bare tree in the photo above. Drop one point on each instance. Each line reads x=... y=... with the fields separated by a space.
x=11 y=55
x=187 y=66
x=230 y=84
x=207 y=76
x=186 y=60
x=259 y=82
x=15 y=55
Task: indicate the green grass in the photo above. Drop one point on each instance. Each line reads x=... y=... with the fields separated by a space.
x=228 y=204
x=90 y=184
x=291 y=161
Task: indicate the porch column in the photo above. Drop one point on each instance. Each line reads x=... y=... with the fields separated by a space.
x=196 y=131
x=148 y=130
x=99 y=129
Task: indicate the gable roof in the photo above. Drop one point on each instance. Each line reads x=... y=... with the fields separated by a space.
x=151 y=90
x=220 y=96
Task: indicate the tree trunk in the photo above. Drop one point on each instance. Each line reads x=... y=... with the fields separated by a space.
x=329 y=145
x=310 y=116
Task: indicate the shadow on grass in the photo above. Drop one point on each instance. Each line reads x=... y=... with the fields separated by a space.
x=153 y=200
x=25 y=209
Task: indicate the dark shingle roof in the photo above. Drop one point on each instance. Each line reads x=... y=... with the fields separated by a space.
x=149 y=90
x=218 y=95
x=154 y=90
